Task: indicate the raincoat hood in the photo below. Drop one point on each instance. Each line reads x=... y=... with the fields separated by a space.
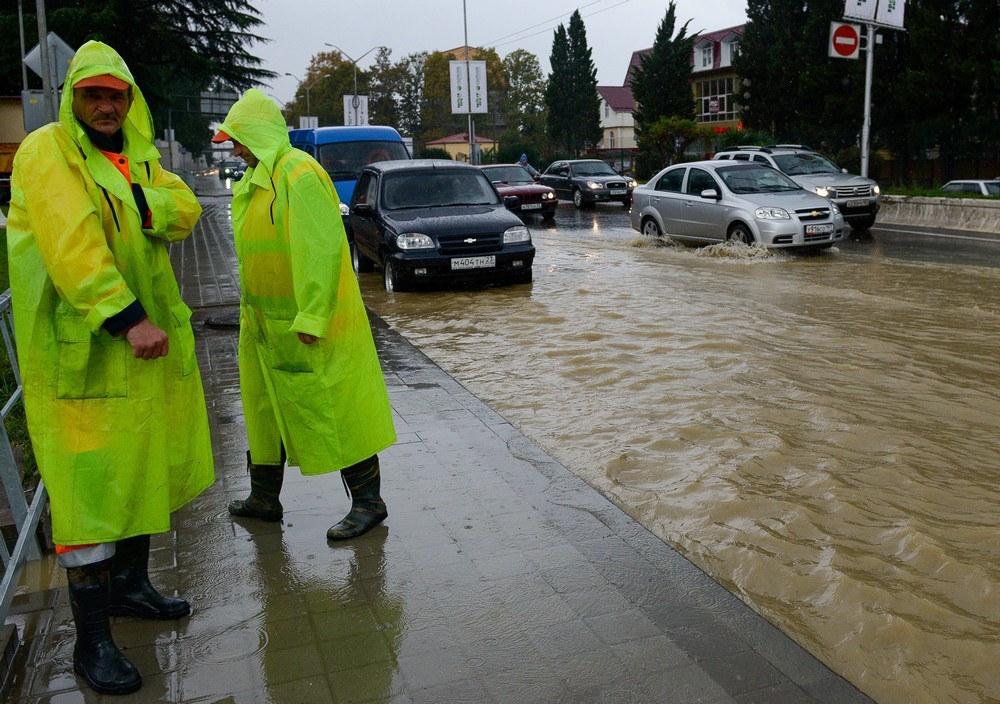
x=256 y=122
x=96 y=59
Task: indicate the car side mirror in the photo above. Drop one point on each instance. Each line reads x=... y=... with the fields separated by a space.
x=511 y=202
x=363 y=209
x=538 y=178
x=711 y=194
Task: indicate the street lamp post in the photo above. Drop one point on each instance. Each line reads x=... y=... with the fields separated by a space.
x=355 y=102
x=308 y=89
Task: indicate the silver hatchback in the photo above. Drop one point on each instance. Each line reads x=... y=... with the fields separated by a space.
x=704 y=202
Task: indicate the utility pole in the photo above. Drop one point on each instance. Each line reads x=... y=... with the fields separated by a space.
x=468 y=83
x=48 y=85
x=355 y=101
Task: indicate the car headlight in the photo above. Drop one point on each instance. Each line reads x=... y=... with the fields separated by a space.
x=772 y=214
x=594 y=185
x=549 y=196
x=822 y=191
x=632 y=183
x=516 y=234
x=344 y=210
x=876 y=190
x=834 y=208
x=414 y=241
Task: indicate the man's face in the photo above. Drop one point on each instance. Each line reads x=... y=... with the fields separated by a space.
x=101 y=109
x=241 y=151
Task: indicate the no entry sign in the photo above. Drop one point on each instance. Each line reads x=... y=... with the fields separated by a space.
x=845 y=40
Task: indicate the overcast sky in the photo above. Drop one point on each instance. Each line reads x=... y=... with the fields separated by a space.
x=300 y=29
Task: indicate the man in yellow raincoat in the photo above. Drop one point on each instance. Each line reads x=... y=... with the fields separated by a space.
x=112 y=391
x=310 y=378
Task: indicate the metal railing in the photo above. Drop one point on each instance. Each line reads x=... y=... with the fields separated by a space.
x=25 y=517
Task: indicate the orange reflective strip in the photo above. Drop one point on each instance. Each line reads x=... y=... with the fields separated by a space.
x=63 y=549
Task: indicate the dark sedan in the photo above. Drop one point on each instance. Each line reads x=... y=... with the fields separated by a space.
x=436 y=222
x=532 y=197
x=588 y=181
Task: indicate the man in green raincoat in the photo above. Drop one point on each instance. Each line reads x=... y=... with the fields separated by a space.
x=112 y=392
x=310 y=379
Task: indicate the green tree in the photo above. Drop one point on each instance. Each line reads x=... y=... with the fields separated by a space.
x=571 y=95
x=329 y=77
x=174 y=49
x=557 y=90
x=664 y=141
x=410 y=93
x=524 y=106
x=384 y=85
x=661 y=83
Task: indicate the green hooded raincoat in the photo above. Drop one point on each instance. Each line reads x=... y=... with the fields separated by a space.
x=120 y=442
x=327 y=402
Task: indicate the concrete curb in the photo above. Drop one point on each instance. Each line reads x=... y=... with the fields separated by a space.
x=953 y=213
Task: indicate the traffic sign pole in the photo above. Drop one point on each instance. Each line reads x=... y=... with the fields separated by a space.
x=867 y=124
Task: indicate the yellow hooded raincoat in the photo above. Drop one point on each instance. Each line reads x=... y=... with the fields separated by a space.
x=327 y=401
x=120 y=442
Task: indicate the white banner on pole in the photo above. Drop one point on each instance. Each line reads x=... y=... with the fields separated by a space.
x=461 y=103
x=890 y=12
x=355 y=110
x=860 y=10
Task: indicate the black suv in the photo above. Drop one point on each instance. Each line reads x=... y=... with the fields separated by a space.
x=434 y=221
x=587 y=181
x=857 y=197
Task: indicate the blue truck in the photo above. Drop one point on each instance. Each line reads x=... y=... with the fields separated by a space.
x=344 y=151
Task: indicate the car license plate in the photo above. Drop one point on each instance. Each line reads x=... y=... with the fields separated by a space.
x=473 y=262
x=618 y=191
x=855 y=203
x=531 y=206
x=818 y=229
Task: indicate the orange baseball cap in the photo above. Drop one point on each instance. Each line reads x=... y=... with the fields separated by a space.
x=221 y=136
x=105 y=80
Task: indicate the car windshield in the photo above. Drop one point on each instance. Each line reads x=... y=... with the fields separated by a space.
x=508 y=174
x=751 y=178
x=593 y=168
x=344 y=160
x=438 y=188
x=798 y=164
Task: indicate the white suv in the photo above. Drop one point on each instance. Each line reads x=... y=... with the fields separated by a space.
x=857 y=197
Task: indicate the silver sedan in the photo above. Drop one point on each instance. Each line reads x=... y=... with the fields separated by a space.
x=704 y=202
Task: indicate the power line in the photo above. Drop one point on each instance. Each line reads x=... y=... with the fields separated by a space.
x=499 y=42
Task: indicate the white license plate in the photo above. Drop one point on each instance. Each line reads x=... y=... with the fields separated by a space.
x=618 y=191
x=855 y=203
x=473 y=262
x=531 y=206
x=818 y=229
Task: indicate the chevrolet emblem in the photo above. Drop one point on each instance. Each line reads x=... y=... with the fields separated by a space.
x=469 y=240
x=815 y=213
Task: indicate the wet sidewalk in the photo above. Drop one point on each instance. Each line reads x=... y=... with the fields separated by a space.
x=499 y=576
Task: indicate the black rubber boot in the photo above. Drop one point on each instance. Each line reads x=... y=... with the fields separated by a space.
x=131 y=592
x=96 y=658
x=265 y=486
x=363 y=483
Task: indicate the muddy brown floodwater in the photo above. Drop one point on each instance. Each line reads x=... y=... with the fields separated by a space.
x=817 y=433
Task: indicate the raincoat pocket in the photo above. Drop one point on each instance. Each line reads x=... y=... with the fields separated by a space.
x=185 y=337
x=90 y=366
x=288 y=353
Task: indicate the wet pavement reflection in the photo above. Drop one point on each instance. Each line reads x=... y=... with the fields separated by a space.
x=817 y=432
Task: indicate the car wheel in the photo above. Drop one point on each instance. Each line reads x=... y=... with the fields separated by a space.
x=391 y=276
x=650 y=228
x=741 y=233
x=861 y=224
x=359 y=261
x=577 y=197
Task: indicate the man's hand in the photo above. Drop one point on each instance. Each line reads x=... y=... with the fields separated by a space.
x=147 y=340
x=306 y=338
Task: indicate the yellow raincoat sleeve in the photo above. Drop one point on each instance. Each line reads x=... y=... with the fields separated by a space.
x=69 y=234
x=174 y=207
x=315 y=252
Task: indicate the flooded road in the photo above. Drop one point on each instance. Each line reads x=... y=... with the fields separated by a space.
x=817 y=433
